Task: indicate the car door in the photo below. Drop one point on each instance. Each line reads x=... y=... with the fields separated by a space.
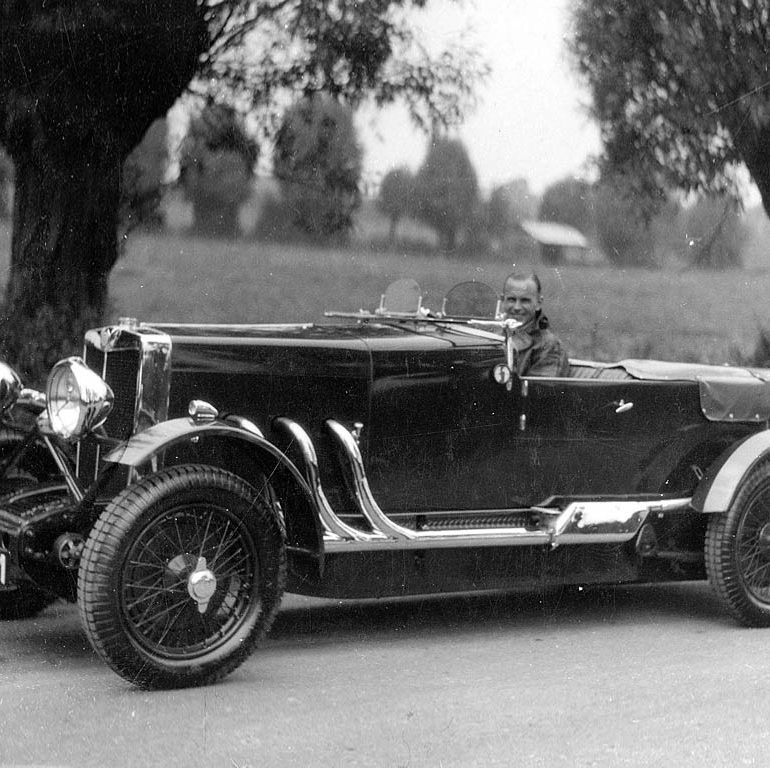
x=442 y=434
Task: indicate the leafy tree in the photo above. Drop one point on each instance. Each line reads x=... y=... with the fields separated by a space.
x=395 y=198
x=679 y=88
x=571 y=202
x=217 y=160
x=447 y=190
x=80 y=83
x=318 y=161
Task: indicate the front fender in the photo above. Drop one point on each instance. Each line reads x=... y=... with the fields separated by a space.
x=143 y=446
x=256 y=453
x=721 y=482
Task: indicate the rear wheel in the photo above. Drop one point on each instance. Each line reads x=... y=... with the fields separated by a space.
x=181 y=576
x=738 y=550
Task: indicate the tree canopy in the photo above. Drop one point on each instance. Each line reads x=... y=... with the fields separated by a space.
x=395 y=198
x=679 y=88
x=80 y=83
x=217 y=159
x=318 y=162
x=446 y=190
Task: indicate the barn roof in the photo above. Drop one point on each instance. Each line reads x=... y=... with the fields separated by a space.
x=552 y=233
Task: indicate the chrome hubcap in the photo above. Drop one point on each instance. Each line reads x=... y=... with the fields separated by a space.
x=202 y=584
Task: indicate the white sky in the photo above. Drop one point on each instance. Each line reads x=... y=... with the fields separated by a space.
x=531 y=121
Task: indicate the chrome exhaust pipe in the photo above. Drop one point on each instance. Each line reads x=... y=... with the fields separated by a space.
x=334 y=528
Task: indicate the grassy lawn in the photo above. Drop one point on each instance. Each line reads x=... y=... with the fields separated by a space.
x=600 y=312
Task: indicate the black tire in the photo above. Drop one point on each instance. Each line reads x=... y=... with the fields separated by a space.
x=138 y=570
x=737 y=550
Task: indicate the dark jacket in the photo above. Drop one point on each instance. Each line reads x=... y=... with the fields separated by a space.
x=540 y=353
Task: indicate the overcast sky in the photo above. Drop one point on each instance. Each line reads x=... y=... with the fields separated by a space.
x=531 y=121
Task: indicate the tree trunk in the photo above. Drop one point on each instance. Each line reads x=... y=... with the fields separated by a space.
x=80 y=83
x=753 y=145
x=63 y=247
x=392 y=231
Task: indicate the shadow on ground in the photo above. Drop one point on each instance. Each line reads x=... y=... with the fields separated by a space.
x=56 y=635
x=330 y=619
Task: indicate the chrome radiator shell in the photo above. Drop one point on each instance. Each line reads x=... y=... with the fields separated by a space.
x=135 y=360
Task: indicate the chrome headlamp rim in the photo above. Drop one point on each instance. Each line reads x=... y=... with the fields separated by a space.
x=78 y=399
x=10 y=387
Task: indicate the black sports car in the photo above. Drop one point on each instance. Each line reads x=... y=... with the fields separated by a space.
x=185 y=476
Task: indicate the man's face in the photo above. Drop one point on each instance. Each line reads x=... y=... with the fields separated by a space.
x=521 y=300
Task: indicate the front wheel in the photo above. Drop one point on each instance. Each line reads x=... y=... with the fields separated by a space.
x=181 y=576
x=738 y=550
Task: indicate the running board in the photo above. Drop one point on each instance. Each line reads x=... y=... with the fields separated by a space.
x=580 y=522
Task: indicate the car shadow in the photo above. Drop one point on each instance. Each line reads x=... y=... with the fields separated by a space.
x=317 y=621
x=56 y=636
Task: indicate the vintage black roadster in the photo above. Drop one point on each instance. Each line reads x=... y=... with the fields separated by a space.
x=177 y=479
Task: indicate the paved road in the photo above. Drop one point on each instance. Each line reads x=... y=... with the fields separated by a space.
x=638 y=676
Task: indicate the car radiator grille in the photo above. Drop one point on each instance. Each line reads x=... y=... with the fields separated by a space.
x=121 y=370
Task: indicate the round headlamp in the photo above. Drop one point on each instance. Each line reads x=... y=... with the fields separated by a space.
x=10 y=386
x=79 y=400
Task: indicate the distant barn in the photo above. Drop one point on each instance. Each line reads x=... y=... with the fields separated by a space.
x=559 y=243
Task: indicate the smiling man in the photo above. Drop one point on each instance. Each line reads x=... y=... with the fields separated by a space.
x=539 y=351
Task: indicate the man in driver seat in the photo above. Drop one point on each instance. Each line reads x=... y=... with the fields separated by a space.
x=539 y=351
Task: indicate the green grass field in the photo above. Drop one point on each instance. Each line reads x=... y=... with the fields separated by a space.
x=600 y=312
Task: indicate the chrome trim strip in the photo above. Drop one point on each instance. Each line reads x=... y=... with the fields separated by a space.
x=489 y=537
x=334 y=528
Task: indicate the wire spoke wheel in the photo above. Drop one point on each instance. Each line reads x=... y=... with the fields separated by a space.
x=738 y=550
x=159 y=600
x=752 y=547
x=181 y=576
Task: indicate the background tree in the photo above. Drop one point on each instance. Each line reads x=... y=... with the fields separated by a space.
x=396 y=197
x=623 y=231
x=318 y=162
x=524 y=203
x=571 y=202
x=679 y=88
x=80 y=83
x=216 y=169
x=499 y=214
x=144 y=181
x=446 y=190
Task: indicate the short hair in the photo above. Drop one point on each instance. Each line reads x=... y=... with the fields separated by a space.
x=520 y=277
